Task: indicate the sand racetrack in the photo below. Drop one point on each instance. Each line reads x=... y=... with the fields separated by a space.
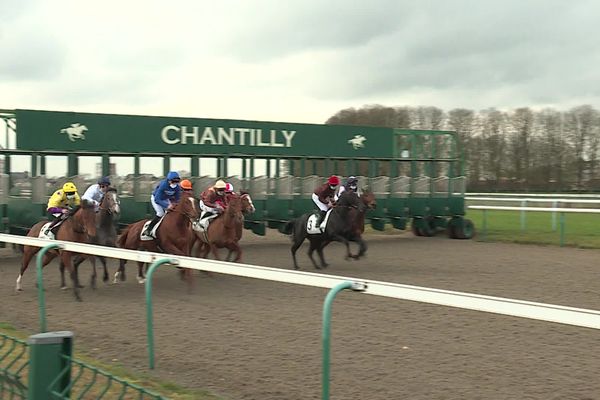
x=251 y=339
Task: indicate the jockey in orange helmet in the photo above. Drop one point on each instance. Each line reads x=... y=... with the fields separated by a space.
x=186 y=185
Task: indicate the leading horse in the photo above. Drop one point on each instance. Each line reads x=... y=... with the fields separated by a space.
x=173 y=236
x=337 y=229
x=79 y=227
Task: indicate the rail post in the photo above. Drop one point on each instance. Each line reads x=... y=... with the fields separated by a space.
x=523 y=215
x=562 y=229
x=326 y=333
x=40 y=282
x=49 y=364
x=149 y=318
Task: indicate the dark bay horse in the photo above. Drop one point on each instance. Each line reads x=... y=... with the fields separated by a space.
x=173 y=236
x=107 y=219
x=357 y=218
x=225 y=231
x=338 y=227
x=204 y=248
x=79 y=227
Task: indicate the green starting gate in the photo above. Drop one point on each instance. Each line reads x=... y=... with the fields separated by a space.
x=416 y=175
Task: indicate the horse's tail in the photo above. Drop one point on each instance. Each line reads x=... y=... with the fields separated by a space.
x=123 y=238
x=288 y=228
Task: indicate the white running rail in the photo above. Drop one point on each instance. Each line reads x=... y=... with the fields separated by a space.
x=497 y=305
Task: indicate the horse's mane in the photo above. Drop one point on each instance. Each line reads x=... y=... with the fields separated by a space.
x=86 y=204
x=348 y=199
x=111 y=189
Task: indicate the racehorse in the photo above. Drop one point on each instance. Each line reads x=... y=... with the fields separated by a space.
x=337 y=229
x=173 y=236
x=224 y=231
x=79 y=227
x=107 y=219
x=357 y=217
x=204 y=248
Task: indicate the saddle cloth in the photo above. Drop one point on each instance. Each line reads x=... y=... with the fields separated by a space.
x=46 y=235
x=153 y=233
x=312 y=227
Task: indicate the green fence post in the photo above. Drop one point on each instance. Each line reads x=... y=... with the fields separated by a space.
x=326 y=334
x=49 y=364
x=484 y=225
x=149 y=319
x=40 y=283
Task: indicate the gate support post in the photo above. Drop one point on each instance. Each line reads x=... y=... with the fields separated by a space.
x=326 y=334
x=149 y=318
x=49 y=364
x=40 y=283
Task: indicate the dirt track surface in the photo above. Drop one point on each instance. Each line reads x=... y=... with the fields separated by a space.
x=251 y=339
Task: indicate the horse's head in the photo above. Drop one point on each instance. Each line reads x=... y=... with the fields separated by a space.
x=110 y=202
x=247 y=205
x=348 y=199
x=368 y=199
x=188 y=206
x=86 y=217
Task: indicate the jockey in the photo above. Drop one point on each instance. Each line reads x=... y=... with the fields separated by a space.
x=61 y=203
x=186 y=185
x=164 y=197
x=323 y=197
x=95 y=193
x=213 y=201
x=351 y=185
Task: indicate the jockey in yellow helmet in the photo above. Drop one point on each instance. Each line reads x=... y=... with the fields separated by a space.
x=61 y=203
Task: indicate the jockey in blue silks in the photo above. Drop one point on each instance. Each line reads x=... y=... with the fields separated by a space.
x=164 y=197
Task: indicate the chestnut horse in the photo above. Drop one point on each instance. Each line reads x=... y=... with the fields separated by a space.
x=79 y=227
x=204 y=248
x=107 y=219
x=173 y=236
x=225 y=231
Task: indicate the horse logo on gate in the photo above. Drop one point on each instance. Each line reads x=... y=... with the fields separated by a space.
x=75 y=131
x=357 y=142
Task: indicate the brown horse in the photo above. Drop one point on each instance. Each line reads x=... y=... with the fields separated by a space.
x=357 y=216
x=107 y=219
x=173 y=236
x=79 y=227
x=225 y=231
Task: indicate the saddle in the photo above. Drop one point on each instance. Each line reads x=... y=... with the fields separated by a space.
x=46 y=233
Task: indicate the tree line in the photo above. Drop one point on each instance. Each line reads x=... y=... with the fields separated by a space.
x=521 y=149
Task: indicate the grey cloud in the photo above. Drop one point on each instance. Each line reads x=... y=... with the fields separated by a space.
x=484 y=47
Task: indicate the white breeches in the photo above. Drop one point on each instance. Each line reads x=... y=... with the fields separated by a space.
x=322 y=206
x=157 y=207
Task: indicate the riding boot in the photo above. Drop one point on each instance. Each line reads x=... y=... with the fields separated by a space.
x=322 y=219
x=151 y=225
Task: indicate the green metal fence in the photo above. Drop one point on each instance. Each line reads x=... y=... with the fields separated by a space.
x=42 y=368
x=13 y=367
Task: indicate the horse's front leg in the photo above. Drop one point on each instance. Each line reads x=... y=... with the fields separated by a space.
x=342 y=239
x=234 y=247
x=120 y=274
x=66 y=258
x=215 y=251
x=105 y=275
x=140 y=277
x=94 y=274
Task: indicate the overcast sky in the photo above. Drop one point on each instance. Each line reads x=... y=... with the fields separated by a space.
x=296 y=61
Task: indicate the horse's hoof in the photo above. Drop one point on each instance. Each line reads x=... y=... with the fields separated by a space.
x=18 y=290
x=325 y=265
x=80 y=286
x=105 y=278
x=141 y=281
x=64 y=287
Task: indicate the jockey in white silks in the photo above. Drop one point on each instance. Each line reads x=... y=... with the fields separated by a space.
x=95 y=193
